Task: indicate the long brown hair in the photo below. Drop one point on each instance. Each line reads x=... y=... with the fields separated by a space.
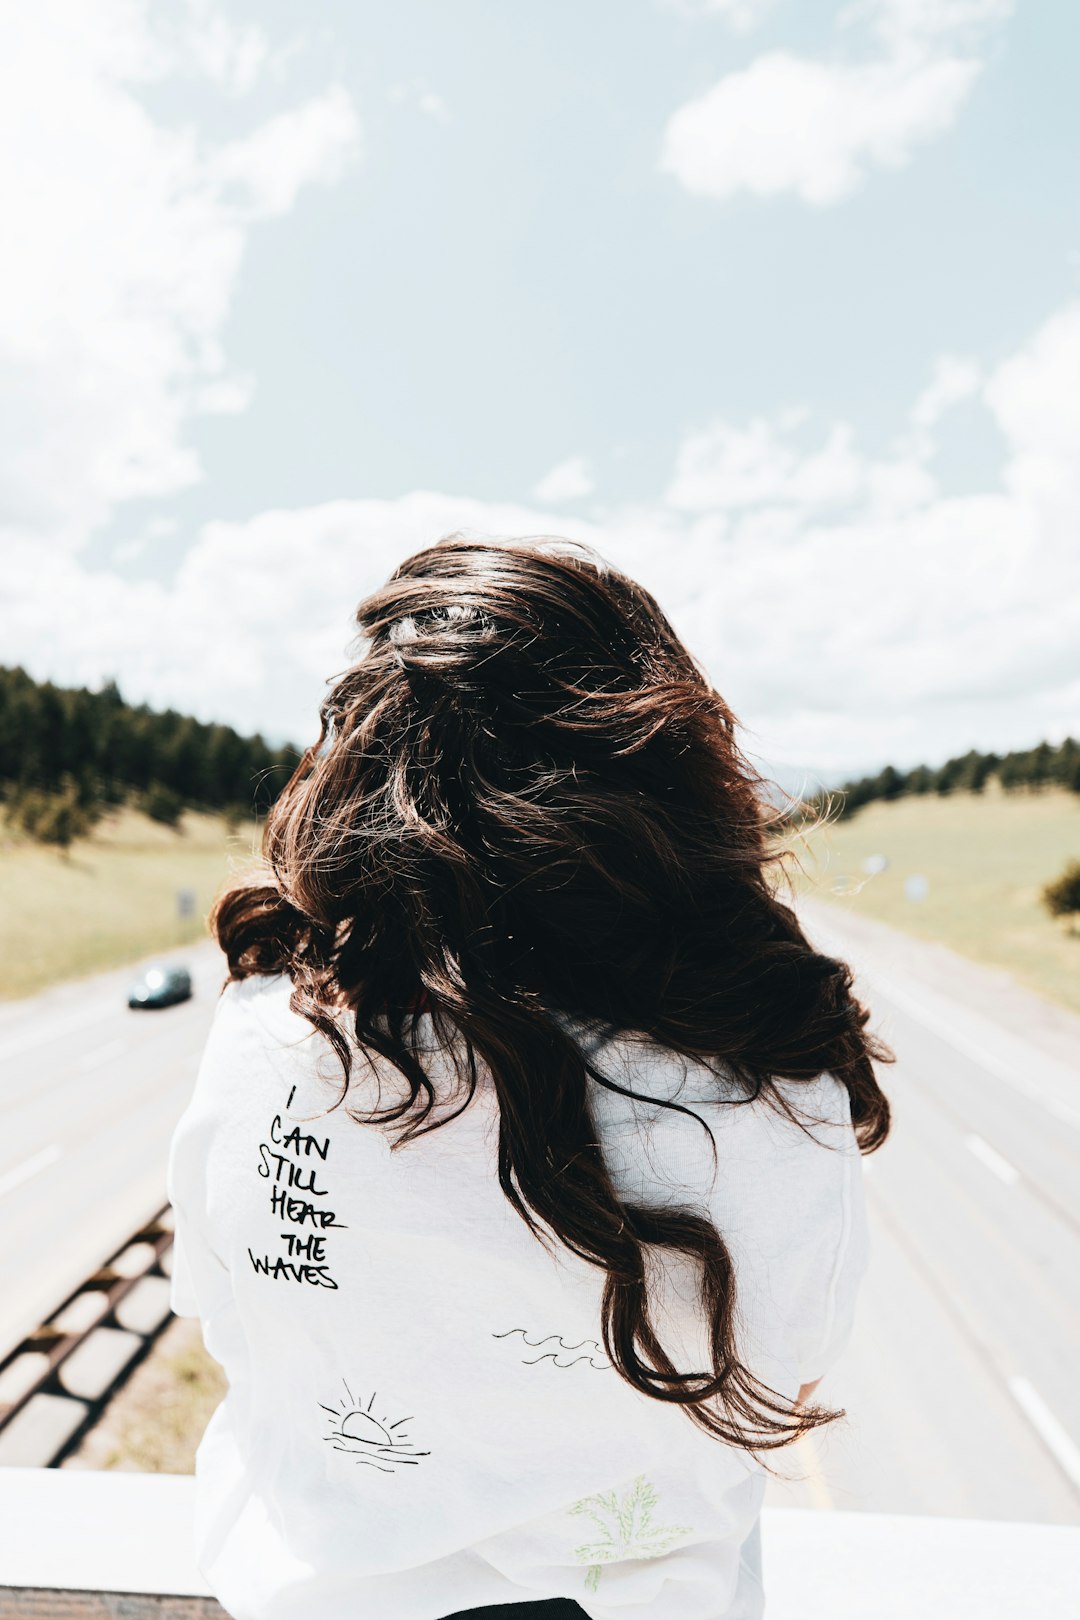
x=526 y=810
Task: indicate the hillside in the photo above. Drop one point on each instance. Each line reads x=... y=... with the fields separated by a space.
x=985 y=857
x=69 y=755
x=114 y=898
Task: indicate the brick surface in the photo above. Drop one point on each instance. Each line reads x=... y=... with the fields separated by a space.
x=36 y=1434
x=24 y=1603
x=97 y=1362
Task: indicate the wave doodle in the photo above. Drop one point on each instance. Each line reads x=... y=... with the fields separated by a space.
x=592 y=1354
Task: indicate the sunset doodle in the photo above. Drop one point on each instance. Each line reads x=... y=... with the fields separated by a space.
x=373 y=1442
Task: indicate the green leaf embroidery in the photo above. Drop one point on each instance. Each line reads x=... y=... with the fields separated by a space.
x=626 y=1529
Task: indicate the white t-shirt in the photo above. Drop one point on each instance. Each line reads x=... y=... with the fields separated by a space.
x=420 y=1416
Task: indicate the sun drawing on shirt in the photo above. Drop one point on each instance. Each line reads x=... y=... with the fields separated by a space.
x=373 y=1442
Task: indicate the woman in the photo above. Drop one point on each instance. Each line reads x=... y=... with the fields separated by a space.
x=520 y=1194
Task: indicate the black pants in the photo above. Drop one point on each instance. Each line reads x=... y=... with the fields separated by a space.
x=546 y=1609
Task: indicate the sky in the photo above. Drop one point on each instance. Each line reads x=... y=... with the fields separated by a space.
x=776 y=304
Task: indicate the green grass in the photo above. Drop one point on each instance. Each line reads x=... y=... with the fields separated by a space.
x=986 y=858
x=112 y=899
x=157 y=1418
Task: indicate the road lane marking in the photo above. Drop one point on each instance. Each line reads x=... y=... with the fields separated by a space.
x=1054 y=1436
x=977 y=1053
x=29 y=1167
x=986 y=1346
x=101 y=1054
x=941 y=1025
x=993 y=1160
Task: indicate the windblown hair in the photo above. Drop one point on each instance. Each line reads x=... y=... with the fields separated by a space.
x=527 y=810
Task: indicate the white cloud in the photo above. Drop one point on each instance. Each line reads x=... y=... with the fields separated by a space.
x=740 y=15
x=847 y=623
x=311 y=143
x=954 y=380
x=125 y=239
x=903 y=25
x=232 y=55
x=813 y=128
x=1035 y=399
x=817 y=128
x=570 y=480
x=434 y=106
x=417 y=93
x=724 y=467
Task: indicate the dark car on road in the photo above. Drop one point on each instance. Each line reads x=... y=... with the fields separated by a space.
x=160 y=987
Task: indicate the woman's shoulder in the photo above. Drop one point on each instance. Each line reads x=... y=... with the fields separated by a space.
x=254 y=1027
x=258 y=1032
x=247 y=1006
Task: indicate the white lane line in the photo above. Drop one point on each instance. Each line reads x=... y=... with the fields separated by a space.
x=100 y=1055
x=1053 y=1435
x=990 y=1061
x=941 y=1024
x=29 y=1167
x=993 y=1160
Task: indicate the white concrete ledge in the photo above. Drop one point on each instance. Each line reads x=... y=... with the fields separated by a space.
x=79 y=1531
x=878 y=1566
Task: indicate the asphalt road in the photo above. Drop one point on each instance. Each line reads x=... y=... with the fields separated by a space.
x=89 y=1094
x=961 y=1382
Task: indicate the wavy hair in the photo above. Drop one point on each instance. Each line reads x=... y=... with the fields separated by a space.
x=526 y=809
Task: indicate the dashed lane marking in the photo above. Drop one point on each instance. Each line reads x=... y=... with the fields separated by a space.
x=1054 y=1436
x=29 y=1167
x=992 y=1159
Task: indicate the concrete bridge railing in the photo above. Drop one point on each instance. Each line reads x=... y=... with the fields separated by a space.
x=78 y=1545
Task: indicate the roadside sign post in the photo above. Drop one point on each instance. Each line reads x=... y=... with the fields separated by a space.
x=185 y=908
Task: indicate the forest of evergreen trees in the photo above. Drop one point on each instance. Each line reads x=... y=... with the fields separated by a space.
x=1043 y=766
x=68 y=755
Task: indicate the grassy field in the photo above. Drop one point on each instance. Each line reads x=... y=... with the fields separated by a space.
x=156 y=1420
x=985 y=858
x=112 y=899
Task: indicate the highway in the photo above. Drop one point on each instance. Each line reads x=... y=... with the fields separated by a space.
x=961 y=1383
x=90 y=1091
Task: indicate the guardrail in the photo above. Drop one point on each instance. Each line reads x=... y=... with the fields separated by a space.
x=55 y=1383
x=79 y=1545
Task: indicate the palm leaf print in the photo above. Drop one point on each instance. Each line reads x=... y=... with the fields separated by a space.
x=626 y=1529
